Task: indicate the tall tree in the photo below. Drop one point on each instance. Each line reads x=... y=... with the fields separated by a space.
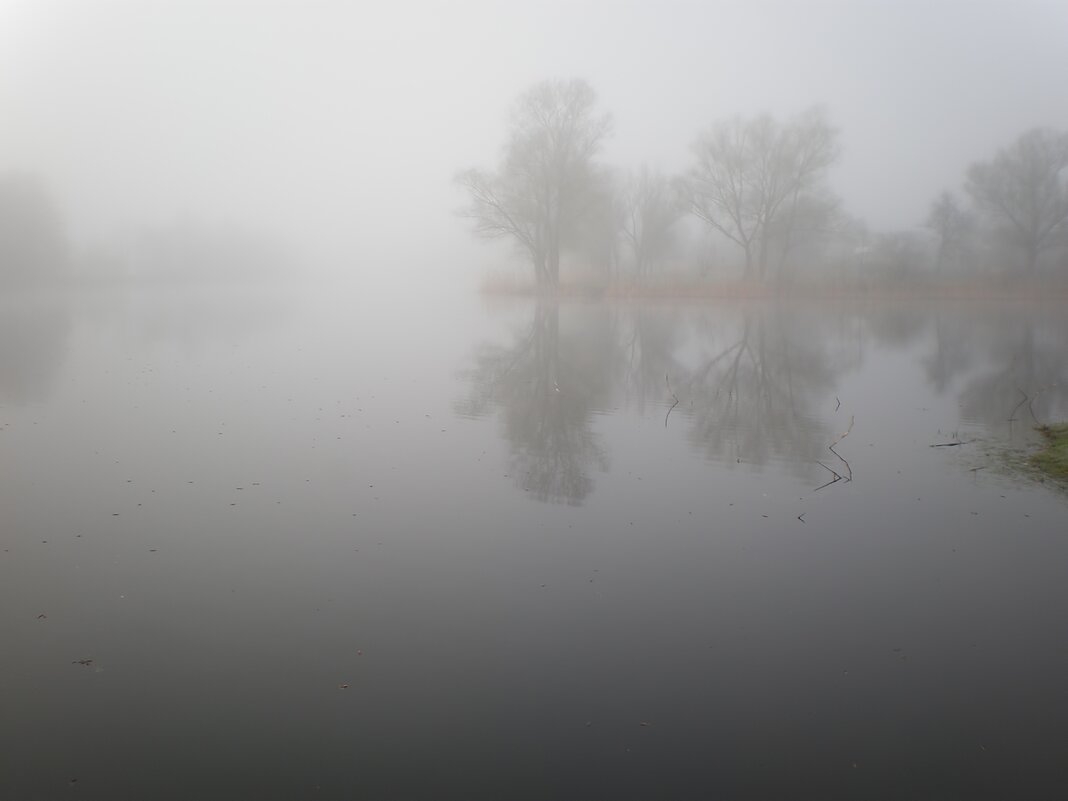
x=751 y=178
x=541 y=192
x=1025 y=189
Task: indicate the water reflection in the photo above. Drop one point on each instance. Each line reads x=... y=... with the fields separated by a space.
x=548 y=383
x=1022 y=373
x=36 y=327
x=754 y=392
x=34 y=338
x=750 y=384
x=745 y=385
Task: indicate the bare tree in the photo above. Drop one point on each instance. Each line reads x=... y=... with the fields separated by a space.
x=649 y=209
x=950 y=223
x=751 y=177
x=1025 y=189
x=540 y=193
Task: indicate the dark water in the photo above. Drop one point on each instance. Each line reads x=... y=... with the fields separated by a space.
x=325 y=545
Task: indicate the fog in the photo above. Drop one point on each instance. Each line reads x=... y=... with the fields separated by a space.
x=338 y=127
x=490 y=400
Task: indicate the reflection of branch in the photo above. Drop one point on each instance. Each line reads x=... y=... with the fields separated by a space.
x=712 y=362
x=489 y=384
x=676 y=397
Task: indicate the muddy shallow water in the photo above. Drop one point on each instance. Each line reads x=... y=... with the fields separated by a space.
x=314 y=544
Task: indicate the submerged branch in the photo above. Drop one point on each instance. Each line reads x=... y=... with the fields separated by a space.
x=1012 y=414
x=849 y=470
x=676 y=397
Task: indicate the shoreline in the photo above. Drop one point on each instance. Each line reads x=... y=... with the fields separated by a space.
x=697 y=290
x=1052 y=460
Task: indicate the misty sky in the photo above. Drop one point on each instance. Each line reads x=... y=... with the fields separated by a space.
x=340 y=125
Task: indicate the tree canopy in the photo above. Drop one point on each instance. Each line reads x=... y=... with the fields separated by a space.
x=751 y=177
x=1025 y=189
x=545 y=183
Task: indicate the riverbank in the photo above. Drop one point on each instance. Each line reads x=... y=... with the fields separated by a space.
x=1052 y=461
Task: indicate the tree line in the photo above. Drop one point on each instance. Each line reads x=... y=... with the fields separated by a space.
x=759 y=185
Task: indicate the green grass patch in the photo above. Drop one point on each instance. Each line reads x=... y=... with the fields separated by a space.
x=1053 y=460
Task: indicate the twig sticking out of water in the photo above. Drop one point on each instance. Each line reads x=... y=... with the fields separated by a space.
x=834 y=480
x=835 y=475
x=842 y=436
x=950 y=444
x=838 y=403
x=1012 y=414
x=838 y=439
x=676 y=397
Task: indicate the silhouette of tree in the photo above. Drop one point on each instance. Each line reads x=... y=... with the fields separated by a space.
x=751 y=176
x=1025 y=191
x=546 y=183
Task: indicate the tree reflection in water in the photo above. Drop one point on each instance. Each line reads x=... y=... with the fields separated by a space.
x=1022 y=375
x=755 y=383
x=753 y=392
x=548 y=384
x=747 y=387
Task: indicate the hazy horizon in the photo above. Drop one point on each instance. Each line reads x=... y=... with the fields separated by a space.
x=340 y=128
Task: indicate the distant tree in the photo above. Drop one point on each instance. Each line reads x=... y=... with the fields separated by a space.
x=32 y=237
x=650 y=207
x=1025 y=189
x=951 y=224
x=540 y=193
x=751 y=178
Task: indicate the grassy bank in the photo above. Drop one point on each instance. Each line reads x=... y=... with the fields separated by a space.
x=1053 y=460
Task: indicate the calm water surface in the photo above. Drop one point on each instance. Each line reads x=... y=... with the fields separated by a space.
x=293 y=545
